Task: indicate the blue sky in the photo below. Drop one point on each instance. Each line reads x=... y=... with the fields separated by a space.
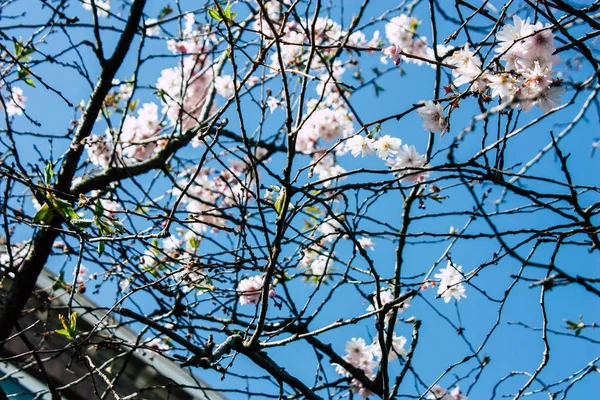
x=512 y=347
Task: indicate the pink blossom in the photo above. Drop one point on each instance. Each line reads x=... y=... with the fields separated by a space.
x=249 y=290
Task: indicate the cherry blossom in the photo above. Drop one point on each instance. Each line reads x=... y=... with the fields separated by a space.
x=385 y=297
x=124 y=285
x=16 y=102
x=249 y=290
x=397 y=349
x=183 y=90
x=386 y=146
x=153 y=28
x=366 y=243
x=319 y=266
x=100 y=149
x=330 y=229
x=409 y=163
x=102 y=7
x=326 y=168
x=158 y=344
x=137 y=133
x=327 y=124
x=450 y=285
x=439 y=393
x=394 y=52
x=433 y=117
x=82 y=274
x=274 y=103
x=224 y=86
x=360 y=145
x=19 y=253
x=366 y=357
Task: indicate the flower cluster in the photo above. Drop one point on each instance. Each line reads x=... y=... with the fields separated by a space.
x=82 y=274
x=409 y=164
x=439 y=393
x=404 y=159
x=249 y=290
x=385 y=297
x=331 y=229
x=100 y=148
x=366 y=243
x=316 y=261
x=177 y=257
x=158 y=344
x=224 y=86
x=295 y=50
x=16 y=102
x=406 y=44
x=139 y=134
x=194 y=40
x=19 y=253
x=326 y=168
x=212 y=192
x=367 y=358
x=450 y=285
x=102 y=7
x=183 y=90
x=325 y=123
x=384 y=146
x=191 y=276
x=527 y=76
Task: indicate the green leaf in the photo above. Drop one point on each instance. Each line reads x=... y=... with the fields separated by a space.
x=29 y=81
x=64 y=333
x=99 y=209
x=48 y=173
x=133 y=105
x=18 y=49
x=82 y=223
x=100 y=247
x=438 y=198
x=229 y=15
x=118 y=225
x=166 y=10
x=313 y=210
x=214 y=14
x=204 y=288
x=65 y=208
x=60 y=281
x=69 y=329
x=43 y=215
x=73 y=326
x=279 y=202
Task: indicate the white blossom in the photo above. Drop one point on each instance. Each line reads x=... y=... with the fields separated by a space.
x=433 y=117
x=387 y=145
x=249 y=289
x=366 y=243
x=154 y=29
x=450 y=285
x=409 y=163
x=102 y=7
x=224 y=86
x=360 y=145
x=16 y=102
